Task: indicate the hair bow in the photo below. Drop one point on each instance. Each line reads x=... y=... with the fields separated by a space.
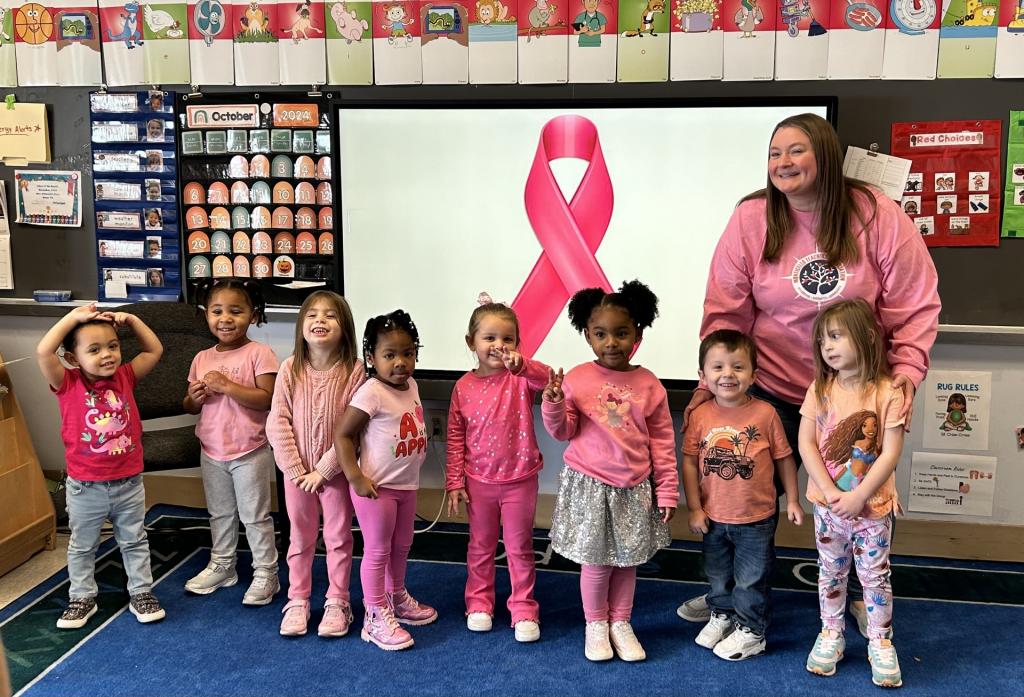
x=485 y=299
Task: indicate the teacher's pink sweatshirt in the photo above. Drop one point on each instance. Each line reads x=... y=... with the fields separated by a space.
x=776 y=303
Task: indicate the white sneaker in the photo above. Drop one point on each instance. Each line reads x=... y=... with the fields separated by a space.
x=740 y=645
x=860 y=613
x=598 y=648
x=211 y=578
x=717 y=628
x=527 y=631
x=695 y=609
x=478 y=622
x=625 y=642
x=262 y=589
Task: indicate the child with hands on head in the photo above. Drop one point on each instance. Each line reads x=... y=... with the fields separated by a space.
x=231 y=386
x=313 y=389
x=102 y=435
x=493 y=465
x=609 y=516
x=851 y=436
x=738 y=442
x=385 y=416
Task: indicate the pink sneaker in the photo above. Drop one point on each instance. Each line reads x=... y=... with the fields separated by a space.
x=381 y=628
x=409 y=611
x=296 y=615
x=337 y=618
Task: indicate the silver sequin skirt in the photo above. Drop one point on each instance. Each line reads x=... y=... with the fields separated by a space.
x=599 y=525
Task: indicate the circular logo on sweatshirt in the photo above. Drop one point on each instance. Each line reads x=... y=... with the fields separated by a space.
x=813 y=279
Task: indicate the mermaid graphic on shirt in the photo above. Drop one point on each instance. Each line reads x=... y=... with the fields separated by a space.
x=851 y=448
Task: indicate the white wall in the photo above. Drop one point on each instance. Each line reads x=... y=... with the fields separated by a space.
x=19 y=336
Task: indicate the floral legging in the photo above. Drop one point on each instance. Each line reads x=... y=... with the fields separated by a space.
x=865 y=542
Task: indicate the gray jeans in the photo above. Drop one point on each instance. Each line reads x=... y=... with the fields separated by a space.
x=89 y=506
x=240 y=490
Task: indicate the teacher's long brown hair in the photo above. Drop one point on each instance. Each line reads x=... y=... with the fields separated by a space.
x=835 y=202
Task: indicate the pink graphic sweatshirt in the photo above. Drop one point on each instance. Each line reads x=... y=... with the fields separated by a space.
x=776 y=303
x=490 y=426
x=619 y=428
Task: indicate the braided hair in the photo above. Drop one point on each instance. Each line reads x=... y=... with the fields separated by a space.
x=397 y=321
x=634 y=297
x=250 y=288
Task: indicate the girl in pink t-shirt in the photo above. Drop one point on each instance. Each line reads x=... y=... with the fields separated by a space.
x=493 y=465
x=386 y=417
x=851 y=436
x=231 y=386
x=620 y=486
x=313 y=388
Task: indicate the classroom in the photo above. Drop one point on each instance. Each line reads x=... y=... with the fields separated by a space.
x=594 y=345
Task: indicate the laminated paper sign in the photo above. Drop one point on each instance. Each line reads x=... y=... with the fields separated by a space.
x=257 y=56
x=8 y=62
x=164 y=30
x=543 y=42
x=36 y=44
x=76 y=26
x=303 y=44
x=696 y=40
x=952 y=484
x=856 y=40
x=801 y=39
x=644 y=41
x=1010 y=39
x=349 y=43
x=1013 y=211
x=911 y=40
x=445 y=42
x=210 y=42
x=967 y=38
x=123 y=59
x=957 y=410
x=593 y=42
x=397 y=30
x=493 y=42
x=749 y=43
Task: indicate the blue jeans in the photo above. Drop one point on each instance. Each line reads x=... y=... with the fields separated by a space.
x=739 y=561
x=123 y=501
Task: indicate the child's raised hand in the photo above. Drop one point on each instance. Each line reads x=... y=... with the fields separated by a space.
x=216 y=382
x=795 y=513
x=85 y=313
x=454 y=497
x=364 y=486
x=310 y=482
x=120 y=319
x=553 y=391
x=667 y=513
x=513 y=360
x=847 y=505
x=698 y=521
x=197 y=392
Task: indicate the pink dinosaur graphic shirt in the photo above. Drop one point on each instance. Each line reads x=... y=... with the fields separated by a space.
x=100 y=426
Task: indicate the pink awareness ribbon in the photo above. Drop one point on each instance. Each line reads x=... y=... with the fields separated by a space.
x=569 y=233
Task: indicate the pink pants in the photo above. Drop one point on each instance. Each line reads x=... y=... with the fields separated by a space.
x=304 y=514
x=508 y=509
x=387 y=526
x=607 y=592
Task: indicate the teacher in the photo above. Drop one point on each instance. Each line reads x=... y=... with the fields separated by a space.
x=811 y=237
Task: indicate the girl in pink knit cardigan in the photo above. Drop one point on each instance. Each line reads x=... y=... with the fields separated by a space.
x=314 y=388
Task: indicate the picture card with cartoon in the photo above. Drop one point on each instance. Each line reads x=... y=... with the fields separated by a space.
x=643 y=41
x=967 y=38
x=1010 y=39
x=34 y=45
x=8 y=64
x=696 y=40
x=349 y=43
x=122 y=43
x=593 y=41
x=211 y=31
x=749 y=41
x=856 y=42
x=801 y=39
x=543 y=42
x=397 y=31
x=303 y=43
x=166 y=54
x=76 y=28
x=256 y=44
x=444 y=42
x=911 y=40
x=493 y=42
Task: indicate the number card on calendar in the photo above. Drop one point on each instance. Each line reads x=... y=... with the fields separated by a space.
x=1010 y=39
x=397 y=58
x=444 y=42
x=749 y=42
x=696 y=41
x=911 y=40
x=493 y=42
x=349 y=43
x=856 y=41
x=801 y=39
x=594 y=40
x=543 y=42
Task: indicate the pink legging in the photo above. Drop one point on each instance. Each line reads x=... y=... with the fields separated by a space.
x=607 y=592
x=387 y=526
x=509 y=509
x=304 y=515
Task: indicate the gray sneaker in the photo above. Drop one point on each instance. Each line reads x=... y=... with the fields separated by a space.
x=78 y=612
x=695 y=609
x=146 y=607
x=211 y=578
x=261 y=590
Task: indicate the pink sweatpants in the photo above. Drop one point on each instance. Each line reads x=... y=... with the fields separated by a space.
x=304 y=514
x=508 y=509
x=608 y=592
x=387 y=526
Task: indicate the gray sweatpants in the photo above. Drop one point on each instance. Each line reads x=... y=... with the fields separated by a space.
x=240 y=490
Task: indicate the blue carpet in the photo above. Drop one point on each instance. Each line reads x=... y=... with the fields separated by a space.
x=213 y=645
